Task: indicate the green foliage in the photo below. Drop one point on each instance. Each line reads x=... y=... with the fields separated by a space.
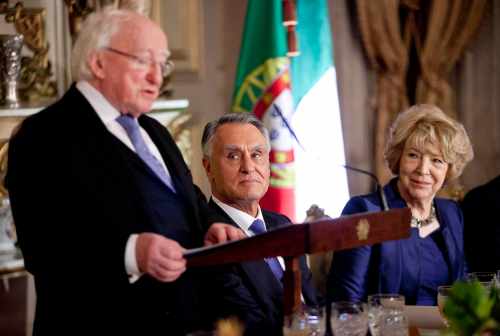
x=472 y=309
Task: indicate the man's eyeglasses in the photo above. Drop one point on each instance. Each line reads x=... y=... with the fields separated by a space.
x=144 y=62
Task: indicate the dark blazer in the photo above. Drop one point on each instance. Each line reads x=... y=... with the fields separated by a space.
x=359 y=272
x=481 y=207
x=75 y=203
x=250 y=289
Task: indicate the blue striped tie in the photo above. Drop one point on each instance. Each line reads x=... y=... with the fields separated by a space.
x=258 y=227
x=131 y=126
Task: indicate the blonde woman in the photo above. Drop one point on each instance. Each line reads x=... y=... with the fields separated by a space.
x=425 y=149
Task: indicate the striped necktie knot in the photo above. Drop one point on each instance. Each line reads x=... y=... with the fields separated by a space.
x=257 y=226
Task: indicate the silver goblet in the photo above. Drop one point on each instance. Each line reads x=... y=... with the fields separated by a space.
x=10 y=67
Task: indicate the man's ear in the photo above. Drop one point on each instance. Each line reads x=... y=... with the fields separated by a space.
x=95 y=63
x=206 y=165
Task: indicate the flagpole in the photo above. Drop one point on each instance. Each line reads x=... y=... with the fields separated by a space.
x=290 y=21
x=292 y=278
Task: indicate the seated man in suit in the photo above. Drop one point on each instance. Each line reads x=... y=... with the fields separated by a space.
x=482 y=227
x=236 y=160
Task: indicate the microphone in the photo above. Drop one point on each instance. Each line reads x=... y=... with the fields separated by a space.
x=380 y=191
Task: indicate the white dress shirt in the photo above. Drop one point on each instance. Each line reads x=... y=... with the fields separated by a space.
x=108 y=114
x=243 y=220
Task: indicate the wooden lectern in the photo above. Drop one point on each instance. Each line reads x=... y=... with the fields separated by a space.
x=295 y=240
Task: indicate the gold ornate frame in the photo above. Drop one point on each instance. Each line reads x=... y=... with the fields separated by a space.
x=36 y=72
x=183 y=27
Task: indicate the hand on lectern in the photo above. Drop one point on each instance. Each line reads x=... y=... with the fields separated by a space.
x=220 y=233
x=160 y=257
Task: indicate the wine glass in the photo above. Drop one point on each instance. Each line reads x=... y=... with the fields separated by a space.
x=386 y=315
x=349 y=319
x=309 y=321
x=481 y=276
x=487 y=279
x=443 y=293
x=316 y=320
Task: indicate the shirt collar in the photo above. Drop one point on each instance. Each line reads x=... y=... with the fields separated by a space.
x=106 y=112
x=241 y=218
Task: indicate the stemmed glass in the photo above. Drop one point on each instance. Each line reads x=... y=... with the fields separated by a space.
x=487 y=279
x=316 y=319
x=309 y=321
x=386 y=315
x=481 y=276
x=443 y=293
x=349 y=319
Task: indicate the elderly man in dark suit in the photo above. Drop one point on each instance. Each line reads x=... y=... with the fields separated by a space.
x=236 y=160
x=103 y=201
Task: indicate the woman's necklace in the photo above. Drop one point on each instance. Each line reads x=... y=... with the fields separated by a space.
x=418 y=223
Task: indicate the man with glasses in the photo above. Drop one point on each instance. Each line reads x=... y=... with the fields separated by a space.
x=103 y=202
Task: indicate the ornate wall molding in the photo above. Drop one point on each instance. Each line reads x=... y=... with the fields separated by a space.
x=182 y=20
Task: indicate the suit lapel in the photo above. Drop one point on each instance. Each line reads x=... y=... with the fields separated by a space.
x=390 y=270
x=258 y=272
x=389 y=253
x=172 y=157
x=99 y=155
x=96 y=141
x=179 y=172
x=449 y=239
x=102 y=142
x=308 y=292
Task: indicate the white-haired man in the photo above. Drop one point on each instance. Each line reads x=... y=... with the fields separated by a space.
x=103 y=201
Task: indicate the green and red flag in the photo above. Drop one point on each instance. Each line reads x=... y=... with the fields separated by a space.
x=272 y=87
x=263 y=88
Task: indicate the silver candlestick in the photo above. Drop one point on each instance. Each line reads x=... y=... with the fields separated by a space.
x=10 y=67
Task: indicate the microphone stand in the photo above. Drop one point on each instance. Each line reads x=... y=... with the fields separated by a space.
x=380 y=190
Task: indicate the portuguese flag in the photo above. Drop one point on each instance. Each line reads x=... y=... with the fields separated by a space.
x=263 y=87
x=298 y=102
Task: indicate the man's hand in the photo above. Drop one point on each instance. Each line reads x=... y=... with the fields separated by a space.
x=160 y=257
x=221 y=233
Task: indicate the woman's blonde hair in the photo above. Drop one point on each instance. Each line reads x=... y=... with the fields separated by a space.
x=423 y=124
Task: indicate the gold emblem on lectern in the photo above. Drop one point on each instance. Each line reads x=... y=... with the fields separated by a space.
x=363 y=229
